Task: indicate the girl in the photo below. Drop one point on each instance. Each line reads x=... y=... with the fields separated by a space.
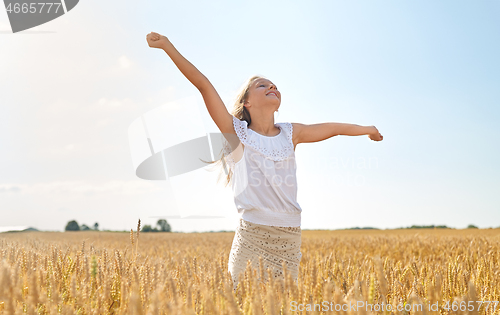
x=261 y=156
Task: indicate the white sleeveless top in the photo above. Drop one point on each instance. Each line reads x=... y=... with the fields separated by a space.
x=264 y=179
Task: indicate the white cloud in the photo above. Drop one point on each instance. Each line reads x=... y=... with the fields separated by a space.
x=124 y=62
x=103 y=105
x=65 y=151
x=114 y=187
x=9 y=188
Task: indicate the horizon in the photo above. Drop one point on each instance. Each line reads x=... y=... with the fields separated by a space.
x=416 y=227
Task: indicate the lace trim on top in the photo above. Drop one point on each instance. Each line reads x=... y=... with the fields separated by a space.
x=276 y=148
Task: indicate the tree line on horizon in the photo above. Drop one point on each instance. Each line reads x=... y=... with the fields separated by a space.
x=162 y=225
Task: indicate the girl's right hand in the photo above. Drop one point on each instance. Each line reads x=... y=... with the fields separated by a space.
x=156 y=40
x=375 y=135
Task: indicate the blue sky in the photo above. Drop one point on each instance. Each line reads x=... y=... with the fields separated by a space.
x=425 y=73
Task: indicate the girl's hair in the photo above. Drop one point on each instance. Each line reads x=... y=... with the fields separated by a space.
x=241 y=112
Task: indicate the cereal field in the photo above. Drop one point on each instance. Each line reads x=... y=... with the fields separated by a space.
x=406 y=271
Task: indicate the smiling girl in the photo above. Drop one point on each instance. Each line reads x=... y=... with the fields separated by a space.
x=261 y=157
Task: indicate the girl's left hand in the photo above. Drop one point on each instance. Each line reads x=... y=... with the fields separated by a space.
x=375 y=135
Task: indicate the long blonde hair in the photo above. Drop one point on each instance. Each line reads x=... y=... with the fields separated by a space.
x=241 y=112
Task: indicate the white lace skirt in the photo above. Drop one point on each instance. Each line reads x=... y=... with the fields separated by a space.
x=274 y=243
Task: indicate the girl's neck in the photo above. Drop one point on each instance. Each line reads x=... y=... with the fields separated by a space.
x=267 y=129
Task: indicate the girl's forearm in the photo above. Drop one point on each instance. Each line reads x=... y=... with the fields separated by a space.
x=345 y=129
x=187 y=68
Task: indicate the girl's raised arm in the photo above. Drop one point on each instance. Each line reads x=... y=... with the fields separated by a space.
x=214 y=103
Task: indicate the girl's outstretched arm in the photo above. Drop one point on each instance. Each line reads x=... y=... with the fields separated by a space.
x=323 y=131
x=215 y=106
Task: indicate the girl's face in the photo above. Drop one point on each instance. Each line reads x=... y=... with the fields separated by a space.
x=262 y=93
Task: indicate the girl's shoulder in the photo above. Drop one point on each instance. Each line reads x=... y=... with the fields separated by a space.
x=287 y=127
x=241 y=129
